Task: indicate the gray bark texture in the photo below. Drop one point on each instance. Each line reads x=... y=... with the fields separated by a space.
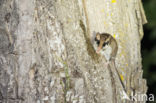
x=46 y=53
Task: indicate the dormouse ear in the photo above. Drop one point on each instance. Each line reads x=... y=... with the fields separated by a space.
x=98 y=36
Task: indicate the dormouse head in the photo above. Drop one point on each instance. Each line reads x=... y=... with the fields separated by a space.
x=103 y=36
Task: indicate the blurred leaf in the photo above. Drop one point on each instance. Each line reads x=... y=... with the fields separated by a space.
x=153 y=34
x=150 y=8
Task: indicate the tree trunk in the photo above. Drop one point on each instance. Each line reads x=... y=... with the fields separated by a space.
x=47 y=54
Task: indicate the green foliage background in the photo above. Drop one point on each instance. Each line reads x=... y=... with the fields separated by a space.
x=149 y=46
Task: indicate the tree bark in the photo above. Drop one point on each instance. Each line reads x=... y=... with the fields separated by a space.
x=47 y=53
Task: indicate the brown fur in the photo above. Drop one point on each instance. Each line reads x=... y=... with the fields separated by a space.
x=106 y=38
